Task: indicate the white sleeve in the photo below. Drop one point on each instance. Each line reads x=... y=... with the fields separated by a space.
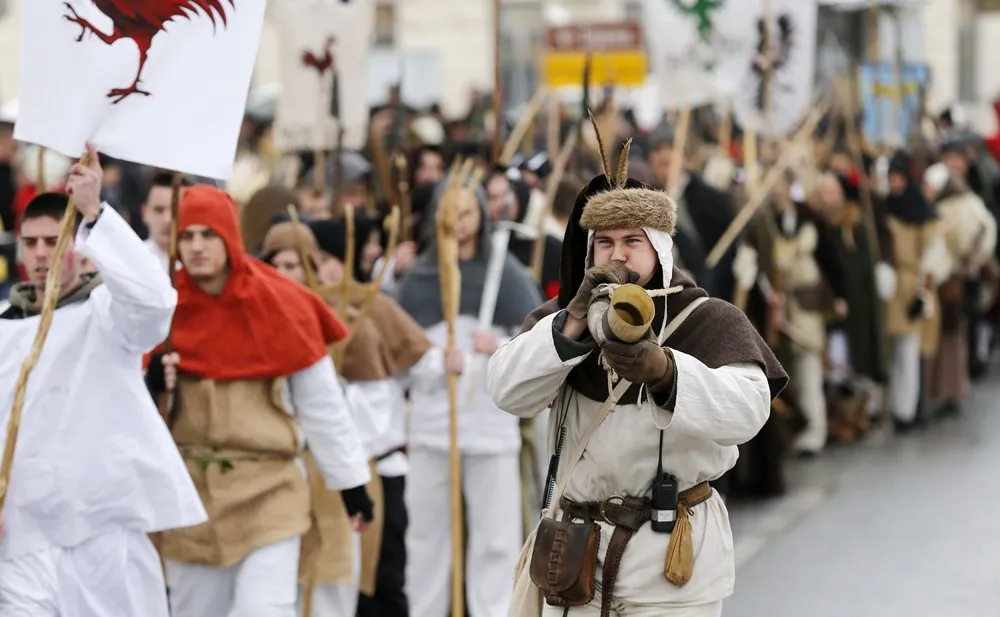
x=936 y=262
x=330 y=433
x=727 y=405
x=429 y=368
x=370 y=403
x=136 y=303
x=525 y=374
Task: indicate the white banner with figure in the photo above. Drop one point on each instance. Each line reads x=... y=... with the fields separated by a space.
x=159 y=84
x=324 y=70
x=698 y=49
x=779 y=108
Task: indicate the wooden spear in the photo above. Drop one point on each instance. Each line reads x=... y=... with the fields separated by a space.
x=760 y=194
x=497 y=87
x=405 y=206
x=49 y=301
x=300 y=244
x=163 y=403
x=450 y=278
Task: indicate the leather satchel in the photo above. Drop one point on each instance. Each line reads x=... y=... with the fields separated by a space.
x=564 y=561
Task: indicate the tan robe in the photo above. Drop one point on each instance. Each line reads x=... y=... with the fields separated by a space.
x=910 y=243
x=240 y=446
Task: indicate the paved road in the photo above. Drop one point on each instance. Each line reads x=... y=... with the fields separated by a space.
x=901 y=527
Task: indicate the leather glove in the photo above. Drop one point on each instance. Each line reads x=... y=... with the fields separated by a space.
x=642 y=362
x=611 y=272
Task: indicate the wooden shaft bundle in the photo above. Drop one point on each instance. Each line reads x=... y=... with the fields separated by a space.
x=51 y=298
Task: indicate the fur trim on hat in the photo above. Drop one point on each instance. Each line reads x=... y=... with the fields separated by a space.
x=630 y=208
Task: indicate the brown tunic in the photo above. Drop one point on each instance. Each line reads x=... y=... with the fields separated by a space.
x=240 y=446
x=910 y=242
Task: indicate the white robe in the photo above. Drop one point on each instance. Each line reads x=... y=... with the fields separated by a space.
x=715 y=410
x=93 y=456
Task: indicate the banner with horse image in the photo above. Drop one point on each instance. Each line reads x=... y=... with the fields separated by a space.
x=324 y=47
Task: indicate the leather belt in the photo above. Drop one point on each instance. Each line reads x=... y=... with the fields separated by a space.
x=628 y=515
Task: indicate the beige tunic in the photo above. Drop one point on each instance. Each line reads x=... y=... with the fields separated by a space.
x=240 y=446
x=921 y=265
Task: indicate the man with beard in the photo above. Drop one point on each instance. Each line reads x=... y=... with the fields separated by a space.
x=695 y=387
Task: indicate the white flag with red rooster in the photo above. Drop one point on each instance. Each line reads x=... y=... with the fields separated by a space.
x=157 y=82
x=775 y=104
x=324 y=68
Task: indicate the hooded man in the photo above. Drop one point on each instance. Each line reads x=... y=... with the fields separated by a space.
x=95 y=470
x=489 y=439
x=255 y=385
x=688 y=396
x=922 y=264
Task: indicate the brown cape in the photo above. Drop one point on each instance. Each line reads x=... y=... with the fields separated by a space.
x=717 y=334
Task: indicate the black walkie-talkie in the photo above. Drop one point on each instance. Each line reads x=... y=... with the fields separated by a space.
x=664 y=498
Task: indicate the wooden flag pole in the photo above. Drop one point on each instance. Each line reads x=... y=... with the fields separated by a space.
x=450 y=277
x=52 y=289
x=163 y=404
x=497 y=89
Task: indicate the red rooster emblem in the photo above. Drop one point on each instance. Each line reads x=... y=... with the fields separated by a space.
x=321 y=64
x=140 y=21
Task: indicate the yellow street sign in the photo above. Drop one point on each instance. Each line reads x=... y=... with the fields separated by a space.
x=619 y=68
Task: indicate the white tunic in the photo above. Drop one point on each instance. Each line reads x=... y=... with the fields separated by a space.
x=482 y=427
x=93 y=455
x=715 y=410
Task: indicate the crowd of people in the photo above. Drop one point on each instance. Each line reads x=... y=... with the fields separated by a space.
x=870 y=273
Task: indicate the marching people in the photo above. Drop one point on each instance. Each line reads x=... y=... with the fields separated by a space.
x=396 y=348
x=273 y=368
x=488 y=438
x=921 y=264
x=95 y=470
x=857 y=350
x=971 y=236
x=697 y=385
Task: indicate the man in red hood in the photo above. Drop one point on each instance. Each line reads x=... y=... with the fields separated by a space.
x=254 y=384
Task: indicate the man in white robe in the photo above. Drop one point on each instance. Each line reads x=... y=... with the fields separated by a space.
x=95 y=469
x=697 y=391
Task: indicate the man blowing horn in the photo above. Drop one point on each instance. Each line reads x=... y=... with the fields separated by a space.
x=699 y=384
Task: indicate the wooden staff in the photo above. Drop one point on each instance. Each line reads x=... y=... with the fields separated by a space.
x=406 y=207
x=41 y=169
x=349 y=244
x=552 y=186
x=163 y=403
x=726 y=129
x=49 y=301
x=497 y=87
x=382 y=166
x=300 y=244
x=554 y=120
x=679 y=146
x=450 y=277
x=760 y=194
x=522 y=126
x=338 y=170
x=750 y=159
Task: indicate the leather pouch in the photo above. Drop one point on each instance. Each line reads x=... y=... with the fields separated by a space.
x=564 y=561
